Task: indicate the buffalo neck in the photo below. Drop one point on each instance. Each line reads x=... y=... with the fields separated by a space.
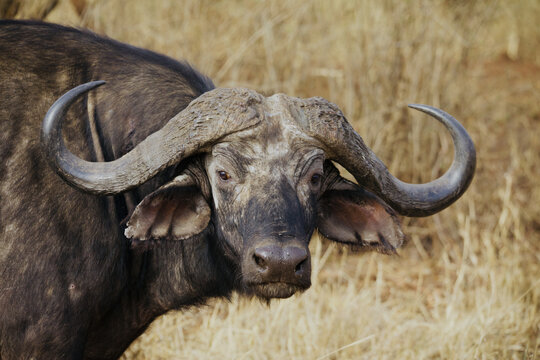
x=164 y=276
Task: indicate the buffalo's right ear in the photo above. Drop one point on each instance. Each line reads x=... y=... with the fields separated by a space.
x=352 y=215
x=175 y=211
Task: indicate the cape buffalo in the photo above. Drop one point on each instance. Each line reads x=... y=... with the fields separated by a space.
x=158 y=191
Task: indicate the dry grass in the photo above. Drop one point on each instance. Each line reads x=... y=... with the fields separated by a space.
x=467 y=286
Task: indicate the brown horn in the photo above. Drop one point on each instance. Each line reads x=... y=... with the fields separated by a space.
x=325 y=122
x=205 y=120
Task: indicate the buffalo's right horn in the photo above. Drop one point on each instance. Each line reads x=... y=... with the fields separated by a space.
x=204 y=121
x=325 y=122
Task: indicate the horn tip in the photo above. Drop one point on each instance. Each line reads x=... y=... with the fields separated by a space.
x=430 y=110
x=419 y=106
x=96 y=83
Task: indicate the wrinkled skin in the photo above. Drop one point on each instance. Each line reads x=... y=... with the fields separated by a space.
x=83 y=275
x=272 y=194
x=268 y=196
x=262 y=187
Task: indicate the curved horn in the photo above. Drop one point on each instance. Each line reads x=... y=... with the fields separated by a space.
x=205 y=120
x=327 y=124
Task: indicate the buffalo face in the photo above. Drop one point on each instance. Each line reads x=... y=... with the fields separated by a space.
x=265 y=190
x=260 y=174
x=265 y=203
x=272 y=186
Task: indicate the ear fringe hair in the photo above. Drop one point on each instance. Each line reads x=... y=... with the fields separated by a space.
x=362 y=247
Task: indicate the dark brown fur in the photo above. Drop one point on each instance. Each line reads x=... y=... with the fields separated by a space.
x=66 y=272
x=72 y=286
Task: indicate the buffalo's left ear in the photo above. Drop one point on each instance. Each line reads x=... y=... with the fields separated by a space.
x=352 y=215
x=175 y=211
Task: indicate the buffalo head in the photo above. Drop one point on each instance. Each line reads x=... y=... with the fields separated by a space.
x=260 y=174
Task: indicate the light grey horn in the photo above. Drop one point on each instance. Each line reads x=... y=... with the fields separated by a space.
x=205 y=120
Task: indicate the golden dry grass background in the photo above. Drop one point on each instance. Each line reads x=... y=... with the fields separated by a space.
x=467 y=285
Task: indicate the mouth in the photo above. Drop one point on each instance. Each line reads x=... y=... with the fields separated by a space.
x=273 y=290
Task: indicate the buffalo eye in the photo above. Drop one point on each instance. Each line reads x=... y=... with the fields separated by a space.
x=316 y=179
x=223 y=175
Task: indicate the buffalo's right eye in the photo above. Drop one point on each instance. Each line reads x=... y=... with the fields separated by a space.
x=316 y=179
x=223 y=175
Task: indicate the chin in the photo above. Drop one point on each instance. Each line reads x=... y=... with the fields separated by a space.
x=275 y=290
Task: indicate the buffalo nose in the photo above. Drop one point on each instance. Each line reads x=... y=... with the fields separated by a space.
x=276 y=263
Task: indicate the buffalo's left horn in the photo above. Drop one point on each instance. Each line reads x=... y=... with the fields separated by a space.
x=205 y=120
x=325 y=122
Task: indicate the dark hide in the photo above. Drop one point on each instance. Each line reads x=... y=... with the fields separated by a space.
x=67 y=276
x=72 y=285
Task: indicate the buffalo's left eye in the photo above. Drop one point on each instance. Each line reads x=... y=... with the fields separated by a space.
x=316 y=179
x=223 y=175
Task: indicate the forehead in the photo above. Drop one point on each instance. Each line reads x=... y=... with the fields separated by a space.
x=277 y=136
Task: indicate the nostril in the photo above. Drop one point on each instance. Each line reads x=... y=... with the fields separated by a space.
x=259 y=260
x=300 y=266
x=284 y=264
x=298 y=259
